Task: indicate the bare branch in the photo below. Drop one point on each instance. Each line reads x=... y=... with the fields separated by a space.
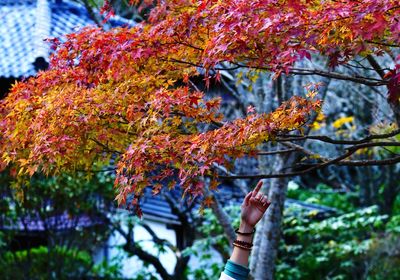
x=156 y=239
x=93 y=15
x=134 y=249
x=338 y=76
x=376 y=66
x=340 y=160
x=300 y=149
x=224 y=220
x=326 y=139
x=277 y=152
x=383 y=44
x=370 y=162
x=303 y=71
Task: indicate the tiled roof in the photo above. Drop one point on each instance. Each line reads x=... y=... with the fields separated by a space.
x=23 y=22
x=157 y=207
x=55 y=223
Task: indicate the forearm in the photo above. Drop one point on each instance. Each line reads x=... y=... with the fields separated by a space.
x=252 y=210
x=240 y=255
x=237 y=266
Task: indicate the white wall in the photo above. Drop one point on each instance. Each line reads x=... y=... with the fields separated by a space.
x=131 y=265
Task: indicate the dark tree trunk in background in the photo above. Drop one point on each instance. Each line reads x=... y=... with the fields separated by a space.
x=392 y=188
x=269 y=232
x=224 y=220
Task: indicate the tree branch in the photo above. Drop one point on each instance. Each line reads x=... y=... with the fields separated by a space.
x=156 y=239
x=224 y=220
x=376 y=66
x=299 y=148
x=383 y=44
x=338 y=76
x=326 y=139
x=132 y=248
x=94 y=16
x=337 y=161
x=261 y=153
x=302 y=71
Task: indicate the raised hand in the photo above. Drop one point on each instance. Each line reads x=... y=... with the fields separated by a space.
x=253 y=208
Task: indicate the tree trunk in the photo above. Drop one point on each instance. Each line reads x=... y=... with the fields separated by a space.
x=268 y=235
x=391 y=190
x=224 y=220
x=264 y=164
x=266 y=242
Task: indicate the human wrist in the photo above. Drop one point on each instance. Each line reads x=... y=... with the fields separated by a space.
x=248 y=231
x=245 y=227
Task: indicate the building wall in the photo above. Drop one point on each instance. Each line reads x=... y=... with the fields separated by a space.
x=132 y=265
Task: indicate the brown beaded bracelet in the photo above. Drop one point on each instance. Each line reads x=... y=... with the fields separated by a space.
x=243 y=247
x=243 y=244
x=245 y=233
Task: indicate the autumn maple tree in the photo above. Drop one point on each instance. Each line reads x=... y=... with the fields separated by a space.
x=124 y=97
x=129 y=98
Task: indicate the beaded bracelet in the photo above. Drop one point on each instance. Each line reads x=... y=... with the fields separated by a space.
x=245 y=233
x=243 y=244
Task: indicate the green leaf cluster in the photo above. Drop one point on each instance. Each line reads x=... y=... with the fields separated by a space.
x=42 y=263
x=351 y=245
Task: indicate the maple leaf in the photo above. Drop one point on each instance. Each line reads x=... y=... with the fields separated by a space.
x=208 y=201
x=194 y=100
x=251 y=110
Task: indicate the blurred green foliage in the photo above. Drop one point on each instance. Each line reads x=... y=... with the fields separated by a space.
x=58 y=263
x=340 y=247
x=58 y=246
x=324 y=195
x=354 y=243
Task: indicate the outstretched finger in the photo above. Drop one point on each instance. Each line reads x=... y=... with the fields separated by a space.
x=247 y=198
x=257 y=188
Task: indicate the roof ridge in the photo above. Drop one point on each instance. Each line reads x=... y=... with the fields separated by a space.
x=17 y=2
x=42 y=32
x=24 y=25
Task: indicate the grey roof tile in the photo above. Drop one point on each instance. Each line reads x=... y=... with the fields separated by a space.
x=18 y=29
